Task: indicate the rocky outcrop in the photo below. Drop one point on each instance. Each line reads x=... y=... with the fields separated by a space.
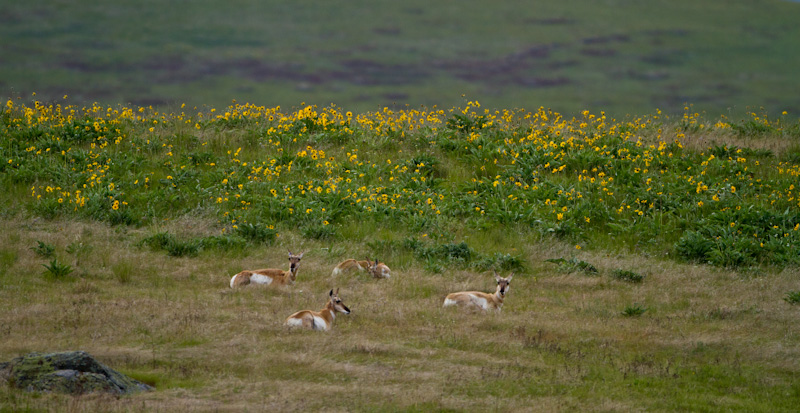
x=74 y=372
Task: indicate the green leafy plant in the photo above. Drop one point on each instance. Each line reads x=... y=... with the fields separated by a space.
x=57 y=270
x=633 y=310
x=319 y=231
x=256 y=233
x=792 y=297
x=123 y=271
x=627 y=276
x=573 y=265
x=79 y=250
x=43 y=249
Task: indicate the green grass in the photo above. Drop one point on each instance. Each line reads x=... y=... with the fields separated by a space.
x=155 y=222
x=569 y=56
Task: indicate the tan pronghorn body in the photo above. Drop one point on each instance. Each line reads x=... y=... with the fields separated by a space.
x=321 y=320
x=377 y=269
x=269 y=276
x=478 y=299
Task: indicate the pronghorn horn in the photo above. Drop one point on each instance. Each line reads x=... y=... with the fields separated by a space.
x=337 y=290
x=330 y=294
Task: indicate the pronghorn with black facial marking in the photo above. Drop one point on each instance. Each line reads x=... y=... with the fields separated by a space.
x=477 y=299
x=321 y=320
x=269 y=276
x=377 y=269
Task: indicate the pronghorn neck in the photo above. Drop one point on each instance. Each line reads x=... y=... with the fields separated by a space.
x=289 y=276
x=498 y=296
x=329 y=312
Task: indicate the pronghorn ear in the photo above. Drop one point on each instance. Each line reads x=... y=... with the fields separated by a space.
x=337 y=290
x=290 y=254
x=330 y=294
x=301 y=255
x=496 y=277
x=510 y=276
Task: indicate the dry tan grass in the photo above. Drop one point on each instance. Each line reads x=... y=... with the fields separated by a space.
x=560 y=343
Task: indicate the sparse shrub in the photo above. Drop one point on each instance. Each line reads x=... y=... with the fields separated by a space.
x=47 y=208
x=573 y=265
x=175 y=248
x=693 y=246
x=425 y=164
x=122 y=217
x=434 y=266
x=257 y=233
x=628 y=276
x=498 y=261
x=159 y=241
x=381 y=247
x=123 y=271
x=412 y=244
x=752 y=128
x=319 y=231
x=44 y=249
x=633 y=310
x=792 y=297
x=451 y=251
x=465 y=124
x=223 y=242
x=57 y=270
x=189 y=248
x=79 y=250
x=7 y=259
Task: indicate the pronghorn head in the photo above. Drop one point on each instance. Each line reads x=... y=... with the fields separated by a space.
x=294 y=261
x=373 y=268
x=503 y=284
x=336 y=303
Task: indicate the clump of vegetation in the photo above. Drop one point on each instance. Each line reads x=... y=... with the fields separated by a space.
x=318 y=231
x=257 y=233
x=174 y=247
x=633 y=310
x=627 y=276
x=57 y=270
x=573 y=264
x=498 y=261
x=79 y=250
x=44 y=249
x=792 y=297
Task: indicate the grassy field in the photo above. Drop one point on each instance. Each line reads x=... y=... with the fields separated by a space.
x=656 y=257
x=621 y=57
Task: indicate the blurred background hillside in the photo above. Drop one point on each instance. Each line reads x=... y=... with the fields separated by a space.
x=618 y=56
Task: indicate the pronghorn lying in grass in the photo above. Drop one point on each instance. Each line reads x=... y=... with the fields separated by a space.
x=377 y=269
x=269 y=275
x=319 y=320
x=477 y=299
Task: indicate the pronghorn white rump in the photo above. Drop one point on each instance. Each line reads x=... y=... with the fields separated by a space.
x=269 y=276
x=377 y=269
x=321 y=320
x=481 y=300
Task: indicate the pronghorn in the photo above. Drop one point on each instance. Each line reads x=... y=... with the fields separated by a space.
x=269 y=275
x=377 y=269
x=319 y=320
x=484 y=301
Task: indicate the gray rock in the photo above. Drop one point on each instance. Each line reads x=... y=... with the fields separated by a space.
x=74 y=372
